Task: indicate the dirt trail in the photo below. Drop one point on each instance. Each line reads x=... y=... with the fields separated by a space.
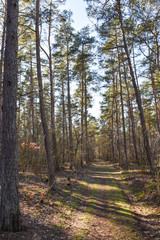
x=91 y=206
x=104 y=212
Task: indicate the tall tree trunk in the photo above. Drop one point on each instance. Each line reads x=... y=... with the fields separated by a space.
x=66 y=136
x=18 y=115
x=117 y=119
x=32 y=98
x=10 y=213
x=69 y=111
x=36 y=116
x=82 y=109
x=86 y=123
x=129 y=137
x=31 y=135
x=64 y=142
x=131 y=114
x=138 y=99
x=154 y=93
x=42 y=108
x=157 y=46
x=1 y=80
x=112 y=131
x=135 y=69
x=54 y=140
x=122 y=106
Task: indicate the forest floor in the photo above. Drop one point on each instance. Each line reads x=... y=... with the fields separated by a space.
x=101 y=202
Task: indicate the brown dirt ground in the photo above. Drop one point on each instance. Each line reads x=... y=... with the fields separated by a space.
x=92 y=204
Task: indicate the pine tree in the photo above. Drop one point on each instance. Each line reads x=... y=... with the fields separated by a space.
x=42 y=108
x=10 y=213
x=83 y=48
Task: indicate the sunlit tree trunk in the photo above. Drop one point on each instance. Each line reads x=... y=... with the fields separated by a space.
x=42 y=108
x=86 y=123
x=117 y=119
x=122 y=106
x=131 y=114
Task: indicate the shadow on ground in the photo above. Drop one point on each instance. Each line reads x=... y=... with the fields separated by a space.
x=93 y=192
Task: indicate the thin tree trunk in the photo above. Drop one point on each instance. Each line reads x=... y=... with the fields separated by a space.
x=135 y=69
x=138 y=99
x=30 y=124
x=117 y=120
x=36 y=116
x=54 y=140
x=56 y=162
x=129 y=137
x=9 y=212
x=69 y=111
x=82 y=108
x=29 y=135
x=157 y=46
x=18 y=115
x=42 y=108
x=32 y=99
x=122 y=106
x=112 y=131
x=131 y=114
x=154 y=93
x=64 y=142
x=86 y=123
x=66 y=136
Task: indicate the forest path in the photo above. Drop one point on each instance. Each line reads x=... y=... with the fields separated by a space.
x=102 y=210
x=91 y=206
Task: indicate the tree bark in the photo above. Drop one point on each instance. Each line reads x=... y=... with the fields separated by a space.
x=10 y=213
x=1 y=67
x=138 y=99
x=42 y=108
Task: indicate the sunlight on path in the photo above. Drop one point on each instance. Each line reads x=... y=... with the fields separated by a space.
x=103 y=211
